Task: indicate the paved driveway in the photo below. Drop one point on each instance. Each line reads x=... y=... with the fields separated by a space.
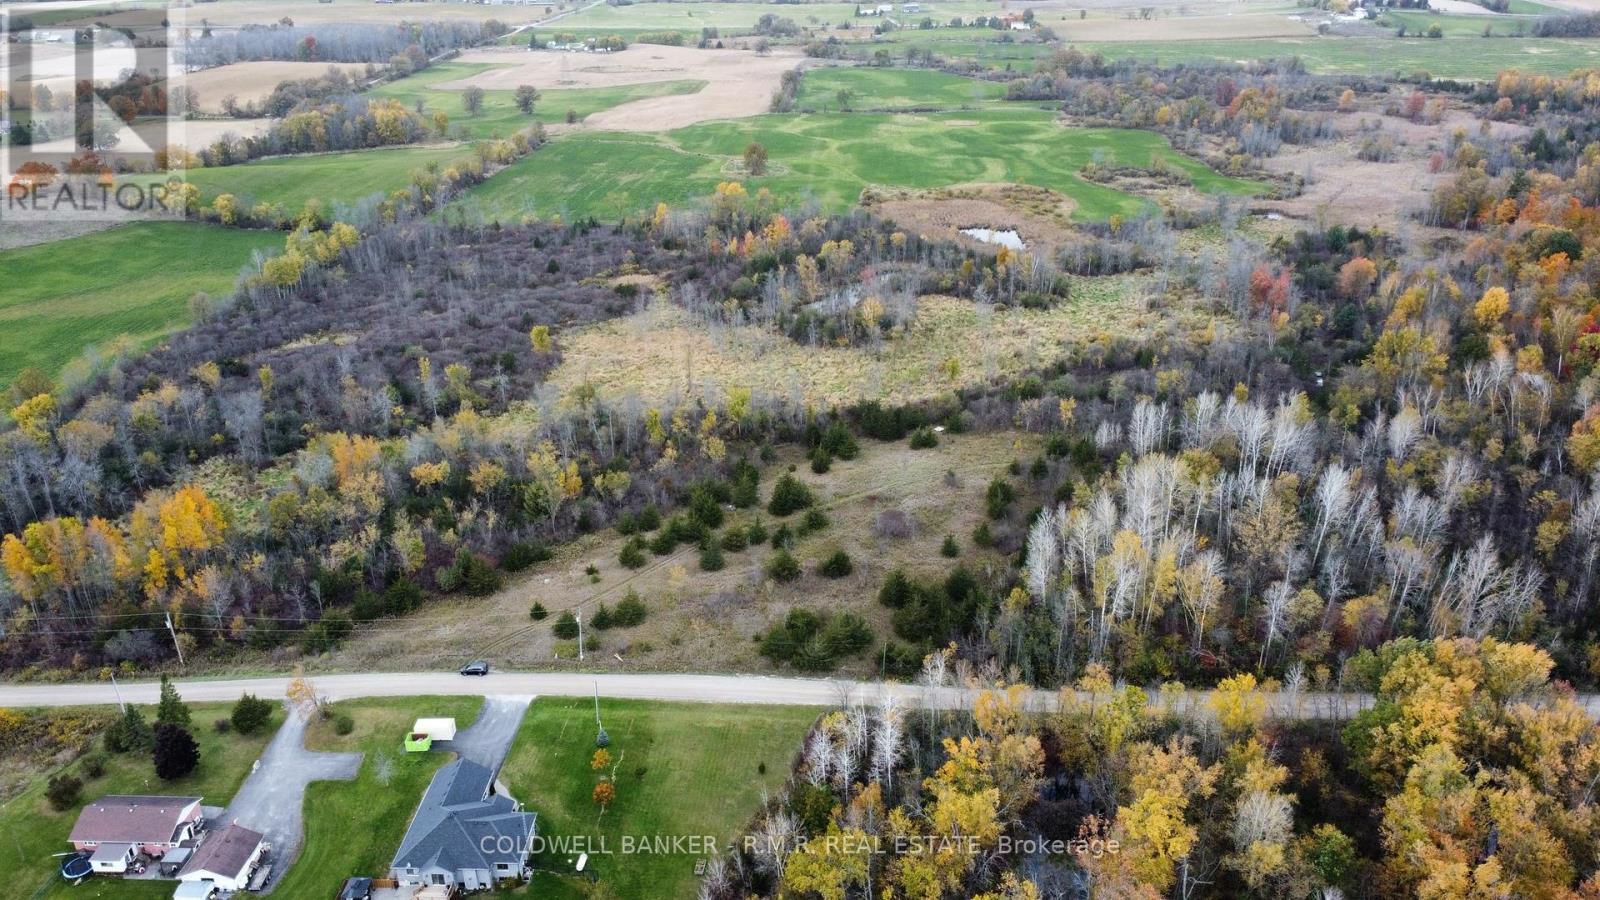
x=488 y=740
x=273 y=797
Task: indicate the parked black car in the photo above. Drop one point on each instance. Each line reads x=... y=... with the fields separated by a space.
x=476 y=667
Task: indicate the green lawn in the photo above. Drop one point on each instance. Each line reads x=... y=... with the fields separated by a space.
x=693 y=16
x=354 y=827
x=34 y=830
x=829 y=158
x=136 y=280
x=890 y=89
x=331 y=177
x=681 y=769
x=499 y=116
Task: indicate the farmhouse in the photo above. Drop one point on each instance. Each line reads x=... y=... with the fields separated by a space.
x=226 y=859
x=464 y=834
x=117 y=829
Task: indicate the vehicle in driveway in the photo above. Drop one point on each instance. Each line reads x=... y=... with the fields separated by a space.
x=356 y=889
x=476 y=667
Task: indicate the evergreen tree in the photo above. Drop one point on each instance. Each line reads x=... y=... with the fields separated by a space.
x=176 y=753
x=171 y=710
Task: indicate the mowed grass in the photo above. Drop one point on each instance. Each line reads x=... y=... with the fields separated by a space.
x=1462 y=57
x=500 y=116
x=333 y=178
x=828 y=158
x=35 y=830
x=354 y=827
x=890 y=89
x=682 y=769
x=136 y=280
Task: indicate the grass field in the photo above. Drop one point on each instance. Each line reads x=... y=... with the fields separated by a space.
x=889 y=89
x=354 y=827
x=682 y=769
x=829 y=158
x=61 y=297
x=331 y=177
x=35 y=831
x=499 y=116
x=693 y=16
x=1463 y=57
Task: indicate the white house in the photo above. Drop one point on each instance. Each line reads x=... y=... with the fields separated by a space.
x=226 y=859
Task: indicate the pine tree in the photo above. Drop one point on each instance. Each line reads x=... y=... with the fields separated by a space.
x=171 y=710
x=176 y=753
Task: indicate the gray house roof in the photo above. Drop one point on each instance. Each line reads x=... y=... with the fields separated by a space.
x=460 y=825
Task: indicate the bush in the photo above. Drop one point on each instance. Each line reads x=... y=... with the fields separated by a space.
x=566 y=626
x=782 y=567
x=981 y=535
x=838 y=441
x=523 y=554
x=250 y=713
x=821 y=461
x=789 y=496
x=846 y=634
x=632 y=555
x=664 y=543
x=746 y=485
x=782 y=537
x=401 y=596
x=815 y=520
x=343 y=724
x=901 y=660
x=602 y=618
x=756 y=534
x=999 y=497
x=924 y=439
x=221 y=725
x=631 y=611
x=129 y=733
x=176 y=754
x=897 y=589
x=711 y=557
x=836 y=566
x=63 y=791
x=949 y=549
x=649 y=519
x=471 y=573
x=368 y=605
x=94 y=765
x=733 y=540
x=537 y=612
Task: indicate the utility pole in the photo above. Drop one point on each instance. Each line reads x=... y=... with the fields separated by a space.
x=174 y=632
x=580 y=635
x=120 y=705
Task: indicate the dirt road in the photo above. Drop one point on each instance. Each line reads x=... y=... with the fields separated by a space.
x=693 y=688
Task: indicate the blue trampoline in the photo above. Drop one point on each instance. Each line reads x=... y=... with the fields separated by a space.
x=76 y=867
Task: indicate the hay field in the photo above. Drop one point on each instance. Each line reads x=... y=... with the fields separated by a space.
x=252 y=81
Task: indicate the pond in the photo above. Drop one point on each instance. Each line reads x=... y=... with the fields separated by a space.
x=1008 y=237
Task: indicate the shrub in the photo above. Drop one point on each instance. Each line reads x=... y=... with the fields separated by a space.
x=901 y=660
x=368 y=605
x=401 y=596
x=836 y=566
x=631 y=611
x=821 y=461
x=63 y=791
x=343 y=724
x=566 y=626
x=981 y=535
x=537 y=612
x=703 y=506
x=221 y=725
x=733 y=540
x=523 y=554
x=94 y=765
x=471 y=573
x=838 y=441
x=815 y=520
x=782 y=567
x=783 y=537
x=649 y=519
x=746 y=485
x=999 y=497
x=250 y=713
x=897 y=589
x=664 y=542
x=176 y=754
x=789 y=496
x=756 y=534
x=949 y=549
x=130 y=732
x=602 y=618
x=846 y=634
x=924 y=439
x=711 y=557
x=632 y=555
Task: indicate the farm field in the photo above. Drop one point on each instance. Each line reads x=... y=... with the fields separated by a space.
x=135 y=280
x=26 y=860
x=829 y=158
x=1470 y=58
x=681 y=769
x=693 y=16
x=253 y=81
x=890 y=89
x=354 y=827
x=330 y=177
x=500 y=116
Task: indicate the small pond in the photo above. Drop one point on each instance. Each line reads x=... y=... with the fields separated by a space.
x=1008 y=238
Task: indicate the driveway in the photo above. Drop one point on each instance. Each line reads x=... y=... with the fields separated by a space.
x=273 y=797
x=489 y=738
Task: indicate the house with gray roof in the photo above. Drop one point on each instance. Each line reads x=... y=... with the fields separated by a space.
x=465 y=833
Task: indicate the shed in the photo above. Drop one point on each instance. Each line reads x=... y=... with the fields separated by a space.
x=426 y=731
x=112 y=858
x=194 y=890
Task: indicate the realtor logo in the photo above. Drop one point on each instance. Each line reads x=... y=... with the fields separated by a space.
x=93 y=99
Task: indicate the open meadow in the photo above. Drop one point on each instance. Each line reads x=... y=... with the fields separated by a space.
x=136 y=280
x=828 y=158
x=333 y=178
